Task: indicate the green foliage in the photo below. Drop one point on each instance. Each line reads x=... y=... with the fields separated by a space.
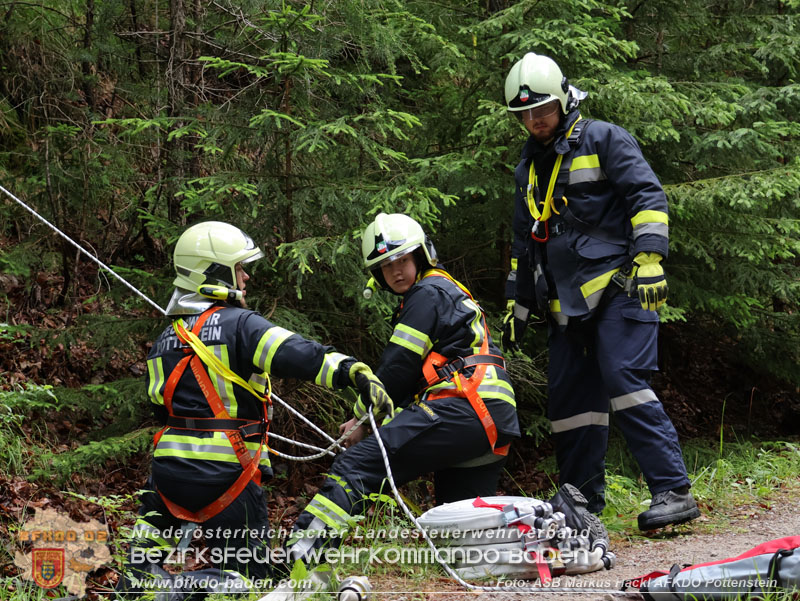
x=93 y=455
x=300 y=121
x=741 y=472
x=530 y=387
x=29 y=416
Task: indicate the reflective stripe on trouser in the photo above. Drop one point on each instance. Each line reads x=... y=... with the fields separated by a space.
x=417 y=444
x=245 y=521
x=607 y=362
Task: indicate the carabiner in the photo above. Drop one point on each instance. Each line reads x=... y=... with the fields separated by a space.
x=535 y=231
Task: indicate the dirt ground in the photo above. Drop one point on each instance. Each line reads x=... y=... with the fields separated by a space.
x=637 y=555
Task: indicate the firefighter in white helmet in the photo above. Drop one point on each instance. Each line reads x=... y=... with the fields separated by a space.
x=590 y=233
x=456 y=413
x=208 y=381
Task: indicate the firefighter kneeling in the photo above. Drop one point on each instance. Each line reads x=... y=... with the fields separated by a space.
x=456 y=412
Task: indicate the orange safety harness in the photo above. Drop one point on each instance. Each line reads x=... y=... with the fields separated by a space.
x=437 y=368
x=235 y=429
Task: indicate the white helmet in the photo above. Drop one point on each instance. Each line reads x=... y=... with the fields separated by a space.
x=390 y=237
x=207 y=253
x=535 y=80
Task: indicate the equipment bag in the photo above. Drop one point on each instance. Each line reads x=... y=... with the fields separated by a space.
x=769 y=567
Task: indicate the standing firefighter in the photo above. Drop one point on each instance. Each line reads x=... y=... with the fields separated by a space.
x=456 y=412
x=208 y=380
x=590 y=232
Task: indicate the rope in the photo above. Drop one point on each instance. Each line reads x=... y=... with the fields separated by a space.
x=334 y=443
x=435 y=550
x=139 y=293
x=81 y=249
x=307 y=421
x=322 y=452
x=299 y=444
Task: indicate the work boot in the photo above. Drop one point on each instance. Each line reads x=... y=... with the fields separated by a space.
x=669 y=507
x=571 y=502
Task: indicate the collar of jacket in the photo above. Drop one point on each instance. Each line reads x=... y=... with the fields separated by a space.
x=534 y=148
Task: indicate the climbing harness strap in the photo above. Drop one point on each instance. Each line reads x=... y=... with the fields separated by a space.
x=438 y=368
x=236 y=430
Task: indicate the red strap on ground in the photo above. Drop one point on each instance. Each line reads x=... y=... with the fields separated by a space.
x=542 y=567
x=639 y=581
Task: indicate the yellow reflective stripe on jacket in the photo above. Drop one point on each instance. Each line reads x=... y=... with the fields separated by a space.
x=258 y=382
x=650 y=222
x=330 y=363
x=476 y=325
x=514 y=263
x=328 y=511
x=223 y=386
x=155 y=373
x=585 y=169
x=555 y=311
x=216 y=448
x=411 y=339
x=144 y=532
x=593 y=289
x=491 y=387
x=268 y=346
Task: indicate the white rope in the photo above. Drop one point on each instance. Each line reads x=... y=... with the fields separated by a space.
x=308 y=421
x=328 y=451
x=297 y=443
x=335 y=443
x=435 y=550
x=81 y=249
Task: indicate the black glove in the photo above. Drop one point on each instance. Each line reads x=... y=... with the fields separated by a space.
x=371 y=390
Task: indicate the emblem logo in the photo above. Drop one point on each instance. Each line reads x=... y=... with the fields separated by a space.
x=381 y=247
x=523 y=96
x=48 y=567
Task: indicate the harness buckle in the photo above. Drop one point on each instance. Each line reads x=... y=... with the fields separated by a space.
x=447 y=370
x=623 y=280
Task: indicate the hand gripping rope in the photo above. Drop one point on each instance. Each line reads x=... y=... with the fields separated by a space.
x=334 y=443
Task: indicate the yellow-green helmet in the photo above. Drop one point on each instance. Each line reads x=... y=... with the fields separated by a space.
x=390 y=237
x=535 y=80
x=207 y=253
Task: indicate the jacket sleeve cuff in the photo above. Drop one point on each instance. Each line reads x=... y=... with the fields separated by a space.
x=651 y=244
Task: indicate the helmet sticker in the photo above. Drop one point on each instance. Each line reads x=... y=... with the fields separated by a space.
x=380 y=246
x=523 y=95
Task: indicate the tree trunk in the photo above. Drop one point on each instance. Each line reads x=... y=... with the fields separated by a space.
x=176 y=81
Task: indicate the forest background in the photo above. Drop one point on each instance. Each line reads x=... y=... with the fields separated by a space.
x=123 y=121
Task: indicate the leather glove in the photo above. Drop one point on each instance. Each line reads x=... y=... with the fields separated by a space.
x=371 y=390
x=649 y=279
x=514 y=324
